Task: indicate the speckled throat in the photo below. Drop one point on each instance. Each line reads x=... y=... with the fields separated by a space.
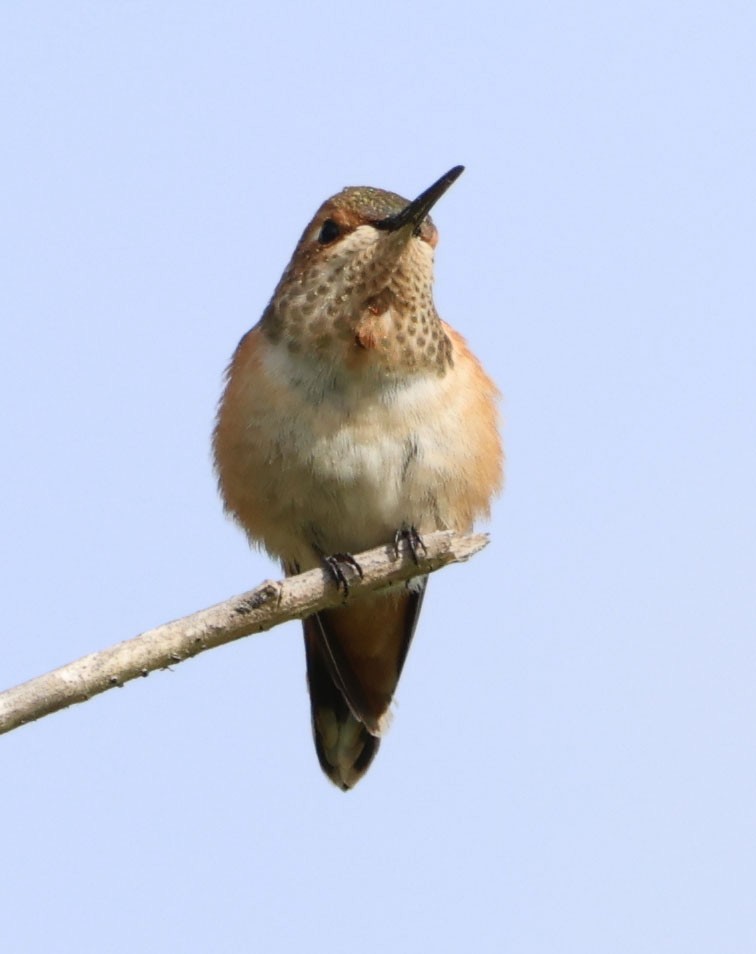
x=364 y=306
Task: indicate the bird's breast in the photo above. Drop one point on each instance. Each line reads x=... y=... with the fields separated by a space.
x=308 y=455
x=365 y=464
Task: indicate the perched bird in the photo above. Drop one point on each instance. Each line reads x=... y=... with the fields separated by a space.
x=353 y=413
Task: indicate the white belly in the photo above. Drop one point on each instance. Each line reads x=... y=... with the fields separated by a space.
x=366 y=475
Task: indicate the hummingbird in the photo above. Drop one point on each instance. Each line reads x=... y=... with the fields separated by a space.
x=353 y=416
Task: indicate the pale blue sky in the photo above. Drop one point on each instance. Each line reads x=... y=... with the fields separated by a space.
x=572 y=765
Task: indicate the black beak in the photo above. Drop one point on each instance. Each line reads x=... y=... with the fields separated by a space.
x=416 y=211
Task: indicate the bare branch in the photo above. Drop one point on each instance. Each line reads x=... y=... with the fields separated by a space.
x=267 y=606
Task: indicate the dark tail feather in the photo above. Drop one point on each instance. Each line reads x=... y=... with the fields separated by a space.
x=345 y=747
x=355 y=656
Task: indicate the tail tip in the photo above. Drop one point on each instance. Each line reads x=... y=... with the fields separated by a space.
x=345 y=747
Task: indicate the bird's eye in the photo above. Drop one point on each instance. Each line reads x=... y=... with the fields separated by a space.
x=329 y=232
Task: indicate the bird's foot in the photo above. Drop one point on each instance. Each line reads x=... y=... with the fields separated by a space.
x=337 y=565
x=413 y=539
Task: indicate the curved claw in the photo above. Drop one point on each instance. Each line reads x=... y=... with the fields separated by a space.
x=336 y=563
x=413 y=539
